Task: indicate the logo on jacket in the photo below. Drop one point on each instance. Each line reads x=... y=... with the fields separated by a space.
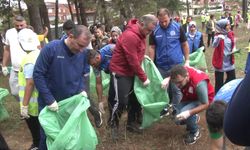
x=158 y=36
x=172 y=33
x=190 y=90
x=61 y=57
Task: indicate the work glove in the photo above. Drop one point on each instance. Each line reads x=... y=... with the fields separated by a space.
x=101 y=107
x=84 y=94
x=183 y=115
x=221 y=36
x=53 y=106
x=146 y=83
x=5 y=71
x=24 y=112
x=165 y=83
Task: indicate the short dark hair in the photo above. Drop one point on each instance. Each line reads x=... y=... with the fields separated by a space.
x=178 y=70
x=91 y=54
x=19 y=18
x=215 y=115
x=162 y=12
x=68 y=25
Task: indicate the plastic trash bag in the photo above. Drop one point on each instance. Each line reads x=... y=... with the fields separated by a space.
x=105 y=83
x=3 y=112
x=198 y=60
x=152 y=98
x=69 y=128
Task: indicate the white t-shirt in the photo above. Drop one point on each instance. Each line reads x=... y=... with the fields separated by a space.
x=16 y=52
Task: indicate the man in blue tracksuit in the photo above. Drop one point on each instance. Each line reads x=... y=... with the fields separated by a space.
x=59 y=70
x=168 y=46
x=100 y=60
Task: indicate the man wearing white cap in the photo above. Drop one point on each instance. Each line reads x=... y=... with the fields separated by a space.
x=27 y=91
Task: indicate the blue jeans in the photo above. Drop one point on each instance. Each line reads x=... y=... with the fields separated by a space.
x=190 y=122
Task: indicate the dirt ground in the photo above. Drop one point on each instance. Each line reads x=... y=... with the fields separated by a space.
x=163 y=135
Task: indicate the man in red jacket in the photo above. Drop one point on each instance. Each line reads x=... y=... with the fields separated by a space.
x=197 y=93
x=125 y=64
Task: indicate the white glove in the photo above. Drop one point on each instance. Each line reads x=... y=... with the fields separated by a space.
x=146 y=83
x=24 y=112
x=5 y=71
x=53 y=106
x=101 y=107
x=84 y=94
x=165 y=83
x=221 y=36
x=183 y=115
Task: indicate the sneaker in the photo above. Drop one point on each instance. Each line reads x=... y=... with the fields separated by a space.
x=114 y=133
x=191 y=138
x=198 y=118
x=33 y=147
x=133 y=127
x=98 y=119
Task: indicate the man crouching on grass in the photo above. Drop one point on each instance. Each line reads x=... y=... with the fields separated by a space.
x=197 y=94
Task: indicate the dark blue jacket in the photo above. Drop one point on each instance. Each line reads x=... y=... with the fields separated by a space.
x=58 y=73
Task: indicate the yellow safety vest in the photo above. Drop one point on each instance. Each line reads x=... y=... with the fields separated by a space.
x=30 y=58
x=203 y=18
x=232 y=20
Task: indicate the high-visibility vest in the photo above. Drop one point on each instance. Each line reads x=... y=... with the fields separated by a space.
x=203 y=18
x=232 y=20
x=248 y=17
x=30 y=58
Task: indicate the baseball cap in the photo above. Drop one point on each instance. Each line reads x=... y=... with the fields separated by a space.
x=27 y=39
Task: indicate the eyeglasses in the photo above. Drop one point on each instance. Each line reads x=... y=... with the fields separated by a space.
x=180 y=82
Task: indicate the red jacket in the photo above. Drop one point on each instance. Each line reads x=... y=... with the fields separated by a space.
x=129 y=52
x=196 y=76
x=218 y=54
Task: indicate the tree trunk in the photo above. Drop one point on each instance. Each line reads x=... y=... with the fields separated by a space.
x=70 y=11
x=107 y=20
x=82 y=12
x=56 y=20
x=45 y=18
x=34 y=15
x=20 y=8
x=77 y=12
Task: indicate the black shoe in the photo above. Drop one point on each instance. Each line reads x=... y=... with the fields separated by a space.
x=191 y=138
x=132 y=127
x=98 y=119
x=33 y=147
x=164 y=112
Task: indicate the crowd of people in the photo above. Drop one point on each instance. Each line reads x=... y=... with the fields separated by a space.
x=42 y=74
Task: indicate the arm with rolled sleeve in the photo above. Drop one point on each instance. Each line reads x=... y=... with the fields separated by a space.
x=40 y=75
x=202 y=93
x=131 y=53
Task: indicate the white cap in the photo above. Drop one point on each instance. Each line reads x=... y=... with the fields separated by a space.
x=192 y=23
x=27 y=39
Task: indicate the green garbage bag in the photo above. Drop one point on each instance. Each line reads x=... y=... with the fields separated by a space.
x=69 y=128
x=3 y=112
x=152 y=98
x=198 y=60
x=105 y=83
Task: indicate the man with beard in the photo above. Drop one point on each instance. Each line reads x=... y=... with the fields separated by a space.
x=197 y=93
x=13 y=52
